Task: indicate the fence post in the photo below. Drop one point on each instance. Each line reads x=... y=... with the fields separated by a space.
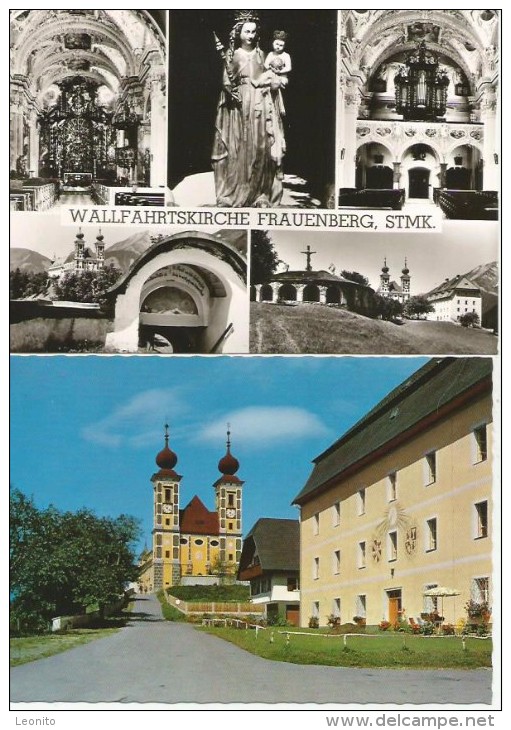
x=345 y=639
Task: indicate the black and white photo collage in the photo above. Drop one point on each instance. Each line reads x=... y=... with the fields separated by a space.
x=254 y=182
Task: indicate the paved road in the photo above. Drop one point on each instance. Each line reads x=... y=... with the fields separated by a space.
x=152 y=660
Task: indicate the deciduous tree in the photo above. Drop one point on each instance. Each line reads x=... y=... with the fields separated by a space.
x=64 y=562
x=417 y=307
x=355 y=276
x=263 y=258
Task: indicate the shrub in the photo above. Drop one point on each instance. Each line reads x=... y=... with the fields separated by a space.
x=384 y=625
x=427 y=629
x=313 y=622
x=478 y=609
x=448 y=629
x=278 y=620
x=333 y=621
x=469 y=319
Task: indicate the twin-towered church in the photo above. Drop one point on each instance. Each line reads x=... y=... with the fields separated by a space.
x=192 y=542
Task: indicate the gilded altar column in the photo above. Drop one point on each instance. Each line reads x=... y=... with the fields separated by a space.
x=158 y=135
x=350 y=102
x=396 y=178
x=33 y=144
x=16 y=127
x=491 y=171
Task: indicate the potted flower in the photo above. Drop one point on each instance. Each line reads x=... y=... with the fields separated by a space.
x=333 y=621
x=478 y=611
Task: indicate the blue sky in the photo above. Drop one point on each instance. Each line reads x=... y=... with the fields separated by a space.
x=85 y=430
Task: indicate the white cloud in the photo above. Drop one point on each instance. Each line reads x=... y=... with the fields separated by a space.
x=135 y=422
x=264 y=425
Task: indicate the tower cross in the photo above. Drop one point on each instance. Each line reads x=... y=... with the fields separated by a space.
x=308 y=253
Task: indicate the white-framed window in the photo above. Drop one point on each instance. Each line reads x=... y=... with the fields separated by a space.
x=361 y=501
x=480 y=590
x=315 y=523
x=431 y=534
x=480 y=444
x=481 y=519
x=361 y=606
x=315 y=609
x=336 y=514
x=336 y=607
x=430 y=468
x=361 y=559
x=392 y=546
x=392 y=487
x=315 y=569
x=336 y=562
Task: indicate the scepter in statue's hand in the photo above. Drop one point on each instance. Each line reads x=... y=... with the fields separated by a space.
x=233 y=90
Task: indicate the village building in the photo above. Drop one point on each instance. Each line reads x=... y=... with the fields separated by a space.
x=270 y=561
x=454 y=298
x=402 y=503
x=193 y=544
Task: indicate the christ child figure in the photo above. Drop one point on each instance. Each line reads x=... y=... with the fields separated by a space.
x=278 y=61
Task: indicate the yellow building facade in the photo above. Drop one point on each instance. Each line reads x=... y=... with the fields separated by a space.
x=403 y=503
x=192 y=542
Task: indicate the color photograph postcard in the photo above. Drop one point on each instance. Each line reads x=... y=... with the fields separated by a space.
x=255 y=365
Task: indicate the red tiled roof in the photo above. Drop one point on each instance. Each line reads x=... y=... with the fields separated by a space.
x=196 y=519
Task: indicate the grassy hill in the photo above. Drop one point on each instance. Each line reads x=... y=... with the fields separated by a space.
x=315 y=329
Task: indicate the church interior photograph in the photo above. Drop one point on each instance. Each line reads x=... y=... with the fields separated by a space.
x=87 y=108
x=417 y=110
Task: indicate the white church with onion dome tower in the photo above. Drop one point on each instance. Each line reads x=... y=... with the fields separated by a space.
x=390 y=288
x=192 y=544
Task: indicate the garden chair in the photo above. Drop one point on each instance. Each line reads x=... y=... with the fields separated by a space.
x=414 y=625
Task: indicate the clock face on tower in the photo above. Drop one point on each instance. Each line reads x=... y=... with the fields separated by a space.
x=231 y=513
x=167 y=508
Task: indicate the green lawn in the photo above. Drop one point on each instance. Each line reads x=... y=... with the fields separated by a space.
x=309 y=329
x=386 y=650
x=30 y=648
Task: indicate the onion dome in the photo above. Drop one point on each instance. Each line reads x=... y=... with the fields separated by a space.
x=385 y=268
x=406 y=270
x=80 y=235
x=100 y=237
x=228 y=464
x=166 y=459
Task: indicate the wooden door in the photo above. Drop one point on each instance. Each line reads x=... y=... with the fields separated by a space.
x=393 y=610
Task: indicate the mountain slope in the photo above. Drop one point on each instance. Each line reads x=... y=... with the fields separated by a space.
x=27 y=260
